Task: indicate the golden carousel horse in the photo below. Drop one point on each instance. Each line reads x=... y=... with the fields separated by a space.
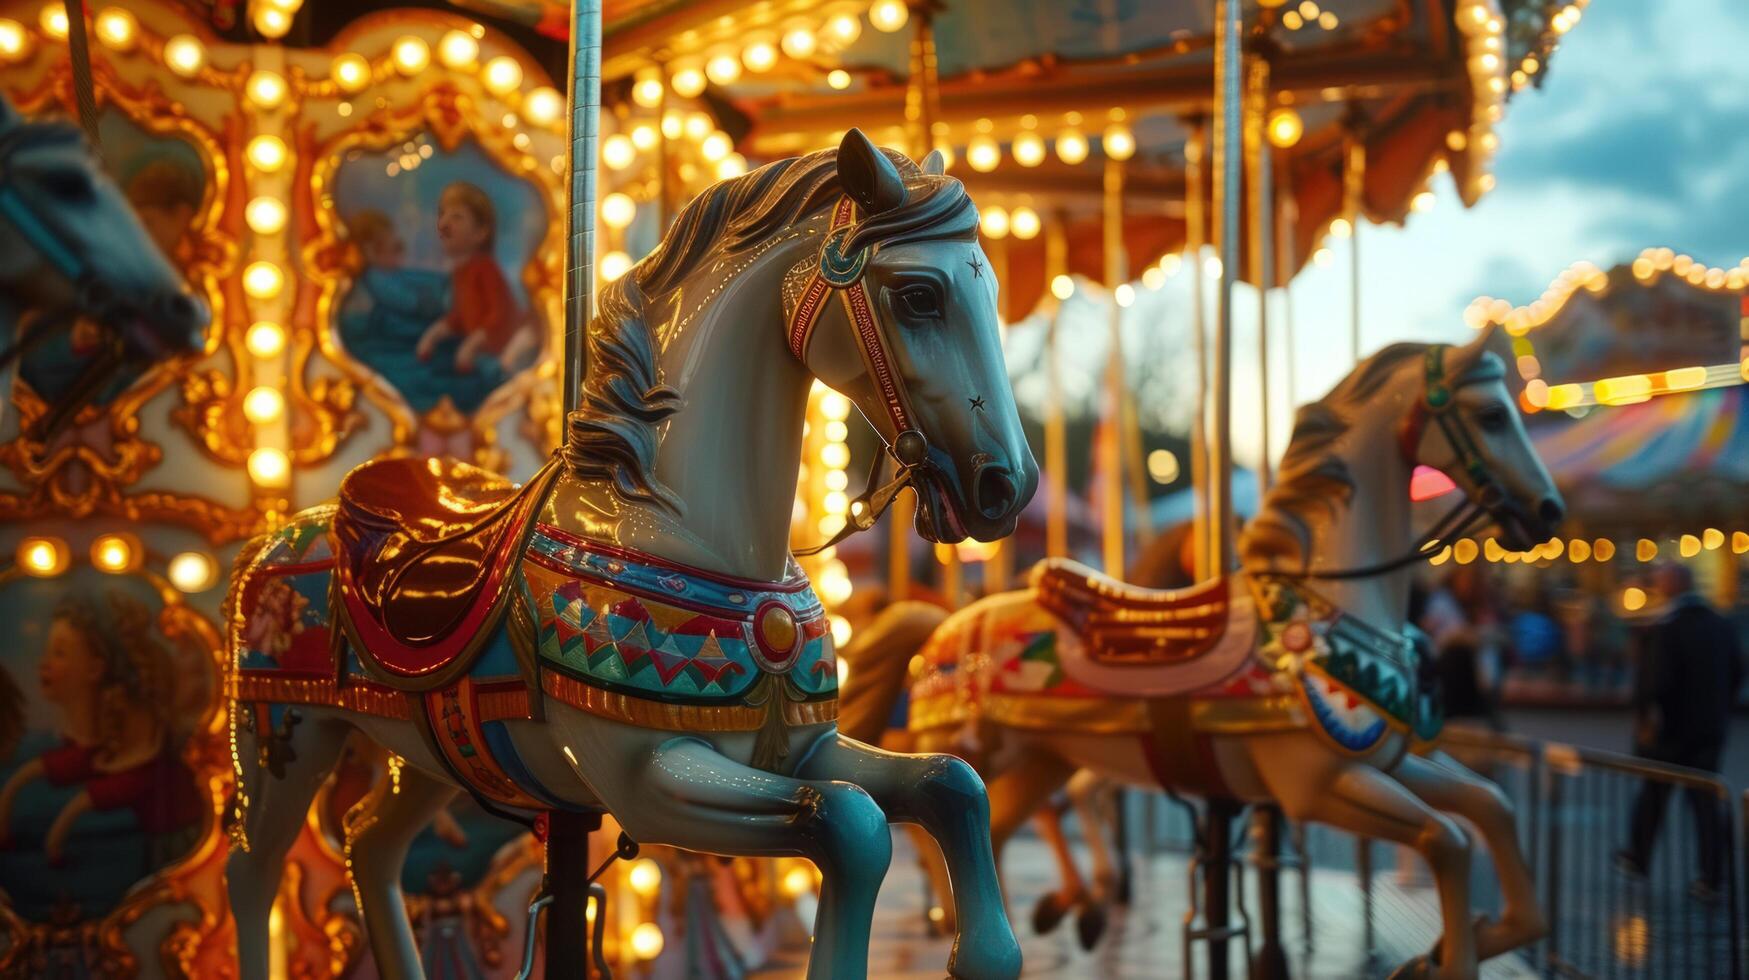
x=627 y=631
x=1295 y=681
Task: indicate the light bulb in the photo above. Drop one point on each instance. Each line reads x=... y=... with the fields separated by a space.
x=1062 y=287
x=263 y=404
x=1024 y=223
x=715 y=147
x=733 y=165
x=118 y=29
x=263 y=280
x=53 y=21
x=1028 y=149
x=270 y=467
x=351 y=73
x=43 y=557
x=411 y=55
x=1071 y=146
x=647 y=89
x=458 y=49
x=688 y=80
x=798 y=40
x=1285 y=128
x=618 y=151
x=983 y=154
x=760 y=54
x=889 y=15
x=543 y=106
x=192 y=571
x=842 y=28
x=265 y=339
x=993 y=222
x=1119 y=142
x=502 y=75
x=15 y=42
x=618 y=210
x=265 y=88
x=838 y=78
x=265 y=215
x=615 y=264
x=723 y=67
x=184 y=55
x=114 y=553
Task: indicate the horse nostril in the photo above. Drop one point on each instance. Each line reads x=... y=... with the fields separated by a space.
x=1551 y=511
x=993 y=491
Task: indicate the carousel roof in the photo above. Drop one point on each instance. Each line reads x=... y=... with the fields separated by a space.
x=1633 y=381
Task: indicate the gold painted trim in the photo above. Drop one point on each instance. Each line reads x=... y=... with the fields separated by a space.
x=1248 y=716
x=369 y=699
x=646 y=713
x=1073 y=716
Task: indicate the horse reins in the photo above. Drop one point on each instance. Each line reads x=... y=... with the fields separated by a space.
x=1435 y=405
x=840 y=272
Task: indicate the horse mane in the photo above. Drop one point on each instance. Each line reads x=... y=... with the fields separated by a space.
x=1312 y=477
x=615 y=432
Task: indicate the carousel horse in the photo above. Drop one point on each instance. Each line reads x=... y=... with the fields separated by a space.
x=71 y=249
x=1294 y=681
x=627 y=630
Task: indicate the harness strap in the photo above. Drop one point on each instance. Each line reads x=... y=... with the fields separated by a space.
x=18 y=212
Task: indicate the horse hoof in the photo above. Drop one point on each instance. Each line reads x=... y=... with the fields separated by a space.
x=1090 y=925
x=1049 y=913
x=998 y=958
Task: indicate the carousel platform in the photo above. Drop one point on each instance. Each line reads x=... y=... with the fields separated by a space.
x=1142 y=942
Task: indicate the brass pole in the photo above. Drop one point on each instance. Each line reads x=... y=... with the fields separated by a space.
x=1289 y=215
x=1262 y=243
x=1229 y=74
x=1110 y=448
x=1196 y=237
x=585 y=93
x=1354 y=189
x=1056 y=448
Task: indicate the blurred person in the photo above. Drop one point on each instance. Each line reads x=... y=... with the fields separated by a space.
x=1686 y=685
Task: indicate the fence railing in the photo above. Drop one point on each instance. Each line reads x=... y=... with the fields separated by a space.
x=1679 y=914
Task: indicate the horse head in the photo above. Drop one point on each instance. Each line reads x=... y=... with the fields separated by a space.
x=1468 y=427
x=73 y=248
x=918 y=348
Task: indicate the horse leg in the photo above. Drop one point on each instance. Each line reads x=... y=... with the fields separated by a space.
x=1447 y=785
x=379 y=831
x=1088 y=793
x=272 y=821
x=1052 y=906
x=942 y=795
x=692 y=796
x=1364 y=801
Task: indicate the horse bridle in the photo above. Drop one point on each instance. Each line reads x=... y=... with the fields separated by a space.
x=1488 y=496
x=840 y=272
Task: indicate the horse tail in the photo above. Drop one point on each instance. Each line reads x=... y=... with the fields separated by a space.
x=880 y=659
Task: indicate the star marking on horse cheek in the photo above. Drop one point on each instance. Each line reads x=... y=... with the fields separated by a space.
x=977 y=267
x=977 y=403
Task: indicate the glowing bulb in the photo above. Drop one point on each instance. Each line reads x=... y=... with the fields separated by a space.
x=733 y=165
x=723 y=68
x=838 y=78
x=618 y=151
x=43 y=557
x=1028 y=149
x=797 y=881
x=265 y=88
x=1125 y=294
x=841 y=633
x=618 y=210
x=1712 y=539
x=502 y=75
x=265 y=339
x=982 y=154
x=615 y=264
x=889 y=15
x=272 y=22
x=1423 y=201
x=1118 y=140
x=688 y=80
x=647 y=941
x=1071 y=146
x=1163 y=466
x=1285 y=128
x=799 y=41
x=184 y=55
x=699 y=125
x=113 y=553
x=1688 y=545
x=994 y=222
x=117 y=28
x=265 y=216
x=1024 y=223
x=410 y=54
x=834 y=406
x=644 y=136
x=263 y=280
x=269 y=467
x=647 y=91
x=673 y=124
x=263 y=404
x=760 y=54
x=835 y=455
x=352 y=73
x=458 y=49
x=15 y=43
x=192 y=571
x=1633 y=598
x=715 y=147
x=1062 y=287
x=543 y=106
x=1341 y=228
x=645 y=877
x=53 y=21
x=842 y=29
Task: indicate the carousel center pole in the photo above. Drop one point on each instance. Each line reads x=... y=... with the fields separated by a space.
x=567 y=844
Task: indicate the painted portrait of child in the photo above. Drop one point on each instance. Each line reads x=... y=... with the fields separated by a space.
x=483 y=312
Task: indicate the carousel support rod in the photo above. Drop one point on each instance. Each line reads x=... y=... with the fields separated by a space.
x=1111 y=461
x=1196 y=237
x=1262 y=254
x=585 y=95
x=1289 y=214
x=567 y=880
x=1056 y=439
x=1229 y=74
x=664 y=181
x=1354 y=191
x=79 y=54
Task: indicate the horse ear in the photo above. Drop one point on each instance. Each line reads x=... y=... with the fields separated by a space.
x=868 y=176
x=935 y=163
x=1465 y=357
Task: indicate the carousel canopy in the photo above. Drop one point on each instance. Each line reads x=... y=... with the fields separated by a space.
x=1634 y=386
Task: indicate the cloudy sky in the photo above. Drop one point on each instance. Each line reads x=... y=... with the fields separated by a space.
x=1636 y=139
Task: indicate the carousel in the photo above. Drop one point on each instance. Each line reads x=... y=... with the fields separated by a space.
x=433 y=474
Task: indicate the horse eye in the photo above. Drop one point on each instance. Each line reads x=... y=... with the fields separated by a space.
x=69 y=185
x=920 y=301
x=1493 y=418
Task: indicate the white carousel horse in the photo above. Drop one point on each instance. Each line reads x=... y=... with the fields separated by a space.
x=1293 y=682
x=626 y=631
x=72 y=248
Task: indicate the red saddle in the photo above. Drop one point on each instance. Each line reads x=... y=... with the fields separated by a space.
x=1125 y=625
x=424 y=555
